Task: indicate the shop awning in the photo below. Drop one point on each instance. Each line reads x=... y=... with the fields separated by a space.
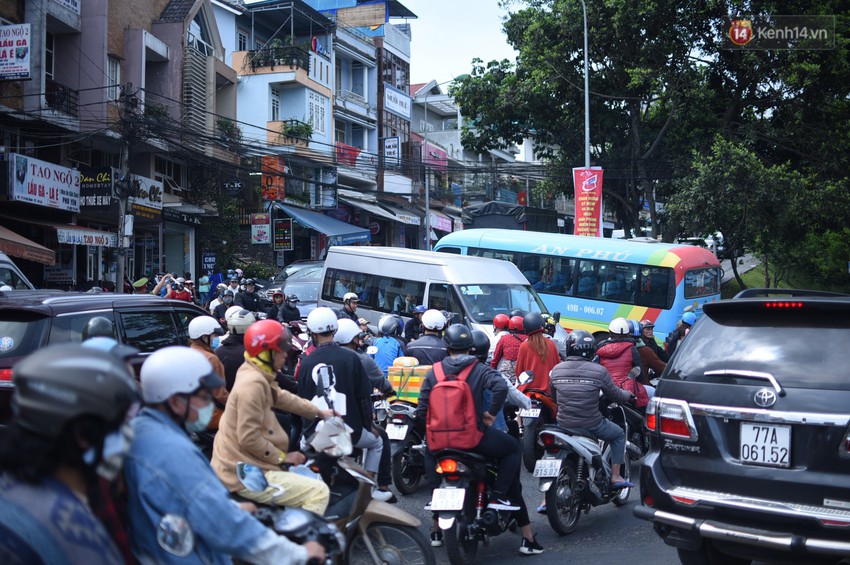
x=371 y=207
x=23 y=248
x=440 y=221
x=404 y=216
x=339 y=233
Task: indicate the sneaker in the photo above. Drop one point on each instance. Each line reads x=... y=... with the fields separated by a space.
x=502 y=504
x=383 y=495
x=437 y=538
x=427 y=507
x=530 y=547
x=541 y=509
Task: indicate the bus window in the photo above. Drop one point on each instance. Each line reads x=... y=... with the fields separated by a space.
x=620 y=283
x=655 y=287
x=702 y=282
x=588 y=279
x=494 y=254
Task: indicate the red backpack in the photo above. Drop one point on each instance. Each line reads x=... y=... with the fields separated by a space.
x=452 y=421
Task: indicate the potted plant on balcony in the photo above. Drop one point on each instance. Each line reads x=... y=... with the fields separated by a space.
x=295 y=132
x=228 y=132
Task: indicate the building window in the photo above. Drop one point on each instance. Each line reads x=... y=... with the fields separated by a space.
x=241 y=41
x=316 y=110
x=275 y=98
x=113 y=71
x=170 y=174
x=338 y=77
x=49 y=46
x=339 y=131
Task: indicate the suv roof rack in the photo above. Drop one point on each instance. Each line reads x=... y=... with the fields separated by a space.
x=767 y=292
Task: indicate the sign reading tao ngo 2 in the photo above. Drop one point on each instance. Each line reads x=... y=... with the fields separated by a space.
x=42 y=183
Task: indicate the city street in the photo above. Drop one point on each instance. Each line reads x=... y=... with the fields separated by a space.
x=606 y=535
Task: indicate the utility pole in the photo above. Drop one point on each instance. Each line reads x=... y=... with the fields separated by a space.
x=124 y=188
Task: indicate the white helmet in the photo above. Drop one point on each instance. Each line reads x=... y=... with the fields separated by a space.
x=433 y=320
x=176 y=370
x=239 y=273
x=238 y=319
x=347 y=331
x=322 y=320
x=204 y=325
x=619 y=326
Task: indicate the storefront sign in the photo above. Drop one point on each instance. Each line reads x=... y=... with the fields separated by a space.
x=82 y=236
x=148 y=200
x=374 y=228
x=588 y=195
x=273 y=180
x=392 y=151
x=397 y=102
x=63 y=271
x=15 y=52
x=73 y=5
x=207 y=261
x=441 y=223
x=42 y=183
x=408 y=219
x=96 y=187
x=176 y=216
x=283 y=234
x=260 y=229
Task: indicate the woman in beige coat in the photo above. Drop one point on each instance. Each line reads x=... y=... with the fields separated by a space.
x=250 y=433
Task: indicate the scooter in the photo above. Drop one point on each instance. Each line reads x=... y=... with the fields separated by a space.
x=375 y=532
x=575 y=471
x=461 y=504
x=542 y=412
x=295 y=524
x=408 y=447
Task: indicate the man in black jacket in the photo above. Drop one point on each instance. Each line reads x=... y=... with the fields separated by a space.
x=507 y=489
x=430 y=348
x=289 y=312
x=413 y=327
x=249 y=299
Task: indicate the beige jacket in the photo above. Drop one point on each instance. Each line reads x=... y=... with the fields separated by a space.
x=249 y=431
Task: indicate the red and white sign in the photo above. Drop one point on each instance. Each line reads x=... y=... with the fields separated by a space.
x=261 y=232
x=588 y=192
x=46 y=184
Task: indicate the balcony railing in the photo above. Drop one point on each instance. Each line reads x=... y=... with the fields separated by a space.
x=280 y=56
x=61 y=98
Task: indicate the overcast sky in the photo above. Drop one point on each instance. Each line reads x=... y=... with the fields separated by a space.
x=448 y=34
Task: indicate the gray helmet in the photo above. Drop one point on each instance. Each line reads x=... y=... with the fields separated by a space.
x=98 y=327
x=581 y=344
x=480 y=345
x=458 y=337
x=62 y=382
x=390 y=325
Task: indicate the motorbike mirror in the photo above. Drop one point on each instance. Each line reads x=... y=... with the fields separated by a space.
x=525 y=377
x=251 y=477
x=557 y=317
x=371 y=350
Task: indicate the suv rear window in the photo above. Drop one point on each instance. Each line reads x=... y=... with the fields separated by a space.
x=802 y=348
x=21 y=335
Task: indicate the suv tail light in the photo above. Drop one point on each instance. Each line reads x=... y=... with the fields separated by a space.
x=5 y=378
x=671 y=418
x=843 y=449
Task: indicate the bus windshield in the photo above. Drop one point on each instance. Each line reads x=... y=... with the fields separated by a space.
x=483 y=301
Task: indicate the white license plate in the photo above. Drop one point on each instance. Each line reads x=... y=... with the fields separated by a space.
x=396 y=431
x=447 y=499
x=529 y=413
x=765 y=444
x=547 y=468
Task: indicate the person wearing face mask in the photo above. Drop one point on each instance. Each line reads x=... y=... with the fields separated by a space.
x=204 y=334
x=248 y=299
x=179 y=512
x=220 y=312
x=69 y=430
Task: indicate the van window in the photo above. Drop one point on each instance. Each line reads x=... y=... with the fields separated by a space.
x=148 y=331
x=339 y=282
x=69 y=328
x=442 y=296
x=11 y=278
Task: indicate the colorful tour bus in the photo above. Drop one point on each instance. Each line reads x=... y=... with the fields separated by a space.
x=592 y=280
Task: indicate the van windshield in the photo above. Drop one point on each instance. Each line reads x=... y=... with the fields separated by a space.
x=483 y=301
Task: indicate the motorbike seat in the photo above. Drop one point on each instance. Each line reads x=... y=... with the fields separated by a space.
x=458 y=454
x=581 y=432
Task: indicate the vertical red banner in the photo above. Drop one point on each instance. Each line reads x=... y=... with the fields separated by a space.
x=273 y=180
x=588 y=191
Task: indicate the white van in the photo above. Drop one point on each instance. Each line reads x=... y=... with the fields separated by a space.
x=393 y=280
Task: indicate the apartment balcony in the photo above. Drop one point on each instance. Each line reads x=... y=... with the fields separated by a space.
x=292 y=133
x=273 y=60
x=61 y=98
x=356 y=104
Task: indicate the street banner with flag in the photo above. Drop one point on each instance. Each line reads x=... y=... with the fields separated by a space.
x=588 y=191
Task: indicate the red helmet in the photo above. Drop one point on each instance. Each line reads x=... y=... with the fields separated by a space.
x=501 y=321
x=264 y=335
x=516 y=324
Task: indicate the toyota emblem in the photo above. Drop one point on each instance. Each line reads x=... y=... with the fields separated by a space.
x=765 y=398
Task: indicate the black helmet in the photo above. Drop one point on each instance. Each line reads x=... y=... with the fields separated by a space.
x=458 y=337
x=532 y=322
x=62 y=382
x=228 y=292
x=581 y=343
x=249 y=281
x=98 y=327
x=480 y=345
x=390 y=324
x=517 y=312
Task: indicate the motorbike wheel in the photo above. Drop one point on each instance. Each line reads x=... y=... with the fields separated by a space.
x=530 y=453
x=460 y=547
x=405 y=479
x=562 y=507
x=622 y=497
x=393 y=544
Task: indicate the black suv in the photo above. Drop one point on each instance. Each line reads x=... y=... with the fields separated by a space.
x=749 y=433
x=30 y=320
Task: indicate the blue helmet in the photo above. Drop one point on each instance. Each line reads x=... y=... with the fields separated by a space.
x=419 y=309
x=689 y=318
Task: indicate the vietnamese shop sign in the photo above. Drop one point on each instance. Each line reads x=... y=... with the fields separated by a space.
x=588 y=194
x=44 y=184
x=15 y=52
x=78 y=236
x=397 y=102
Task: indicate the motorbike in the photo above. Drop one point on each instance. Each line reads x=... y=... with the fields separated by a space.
x=375 y=532
x=408 y=447
x=461 y=504
x=295 y=524
x=300 y=340
x=542 y=412
x=575 y=471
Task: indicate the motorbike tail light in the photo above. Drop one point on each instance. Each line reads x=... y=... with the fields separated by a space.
x=447 y=466
x=5 y=377
x=548 y=440
x=398 y=419
x=674 y=419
